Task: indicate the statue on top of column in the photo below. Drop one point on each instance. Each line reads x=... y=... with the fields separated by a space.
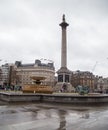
x=63 y=17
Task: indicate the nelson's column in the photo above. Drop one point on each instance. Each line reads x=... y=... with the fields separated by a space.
x=64 y=75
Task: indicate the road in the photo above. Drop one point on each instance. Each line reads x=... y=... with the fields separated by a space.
x=41 y=116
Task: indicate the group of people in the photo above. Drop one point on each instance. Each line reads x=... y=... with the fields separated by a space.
x=64 y=88
x=11 y=87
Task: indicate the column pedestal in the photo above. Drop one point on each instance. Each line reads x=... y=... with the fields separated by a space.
x=64 y=78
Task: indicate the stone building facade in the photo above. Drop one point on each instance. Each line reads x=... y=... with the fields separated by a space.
x=83 y=78
x=25 y=71
x=102 y=85
x=5 y=74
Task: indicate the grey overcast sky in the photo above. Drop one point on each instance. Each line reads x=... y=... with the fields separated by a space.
x=29 y=30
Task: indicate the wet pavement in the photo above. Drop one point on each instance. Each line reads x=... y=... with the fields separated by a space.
x=41 y=116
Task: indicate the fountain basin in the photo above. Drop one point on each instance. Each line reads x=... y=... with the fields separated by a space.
x=37 y=89
x=37 y=86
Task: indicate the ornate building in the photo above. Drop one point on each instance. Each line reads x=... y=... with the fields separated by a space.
x=25 y=71
x=83 y=78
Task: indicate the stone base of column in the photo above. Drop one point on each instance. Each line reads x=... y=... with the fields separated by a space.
x=64 y=87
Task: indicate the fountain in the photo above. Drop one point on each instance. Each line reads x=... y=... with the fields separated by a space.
x=37 y=86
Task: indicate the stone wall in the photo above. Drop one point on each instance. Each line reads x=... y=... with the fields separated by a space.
x=53 y=98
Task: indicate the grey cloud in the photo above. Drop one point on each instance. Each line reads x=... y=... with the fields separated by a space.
x=30 y=29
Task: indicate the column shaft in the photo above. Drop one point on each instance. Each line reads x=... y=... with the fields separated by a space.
x=64 y=49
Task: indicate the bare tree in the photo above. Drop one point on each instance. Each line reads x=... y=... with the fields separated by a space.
x=14 y=78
